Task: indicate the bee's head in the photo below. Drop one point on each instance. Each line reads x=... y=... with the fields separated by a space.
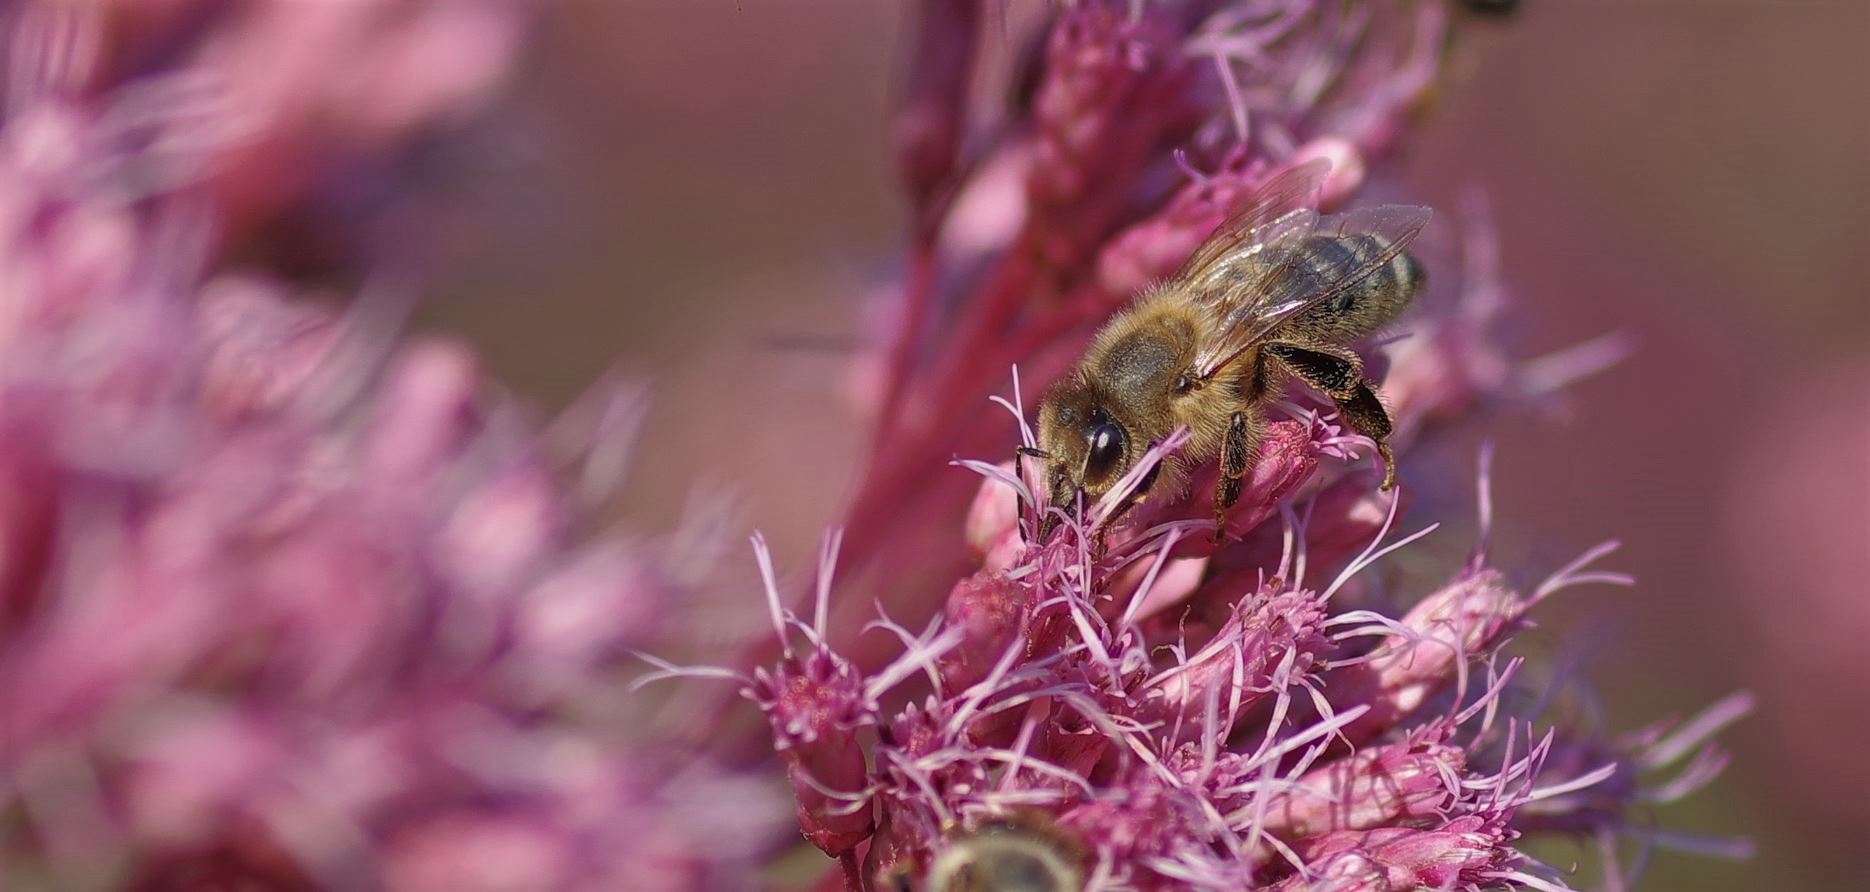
x=1086 y=447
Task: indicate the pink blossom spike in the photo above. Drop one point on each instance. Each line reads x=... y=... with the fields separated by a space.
x=931 y=119
x=1447 y=630
x=1465 y=851
x=816 y=704
x=1400 y=782
x=1245 y=657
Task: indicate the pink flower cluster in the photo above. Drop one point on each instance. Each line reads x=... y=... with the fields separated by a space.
x=1147 y=720
x=1128 y=705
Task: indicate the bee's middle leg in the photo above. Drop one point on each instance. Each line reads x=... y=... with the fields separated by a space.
x=1339 y=373
x=1237 y=447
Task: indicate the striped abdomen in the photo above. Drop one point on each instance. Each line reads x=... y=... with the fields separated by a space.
x=1365 y=305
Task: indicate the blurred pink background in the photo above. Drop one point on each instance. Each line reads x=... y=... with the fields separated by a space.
x=697 y=192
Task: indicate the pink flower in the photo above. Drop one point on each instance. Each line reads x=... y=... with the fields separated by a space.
x=1139 y=706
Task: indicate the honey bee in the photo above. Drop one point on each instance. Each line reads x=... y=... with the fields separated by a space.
x=1008 y=856
x=1277 y=293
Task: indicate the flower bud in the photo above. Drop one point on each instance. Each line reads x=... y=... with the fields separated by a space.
x=1450 y=628
x=816 y=705
x=1467 y=851
x=1411 y=781
x=1269 y=644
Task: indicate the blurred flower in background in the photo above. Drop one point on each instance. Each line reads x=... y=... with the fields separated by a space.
x=1786 y=493
x=288 y=601
x=293 y=119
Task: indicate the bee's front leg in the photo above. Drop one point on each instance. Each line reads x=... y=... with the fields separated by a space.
x=1020 y=454
x=1243 y=435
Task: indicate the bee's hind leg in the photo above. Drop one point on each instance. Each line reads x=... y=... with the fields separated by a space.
x=1243 y=436
x=1366 y=415
x=1340 y=375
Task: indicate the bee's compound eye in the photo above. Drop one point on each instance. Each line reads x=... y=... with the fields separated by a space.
x=1104 y=451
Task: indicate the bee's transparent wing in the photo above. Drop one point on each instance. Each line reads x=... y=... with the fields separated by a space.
x=1294 y=281
x=1229 y=274
x=1233 y=281
x=1250 y=229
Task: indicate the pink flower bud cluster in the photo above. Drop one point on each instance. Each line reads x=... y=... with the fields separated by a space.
x=1270 y=737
